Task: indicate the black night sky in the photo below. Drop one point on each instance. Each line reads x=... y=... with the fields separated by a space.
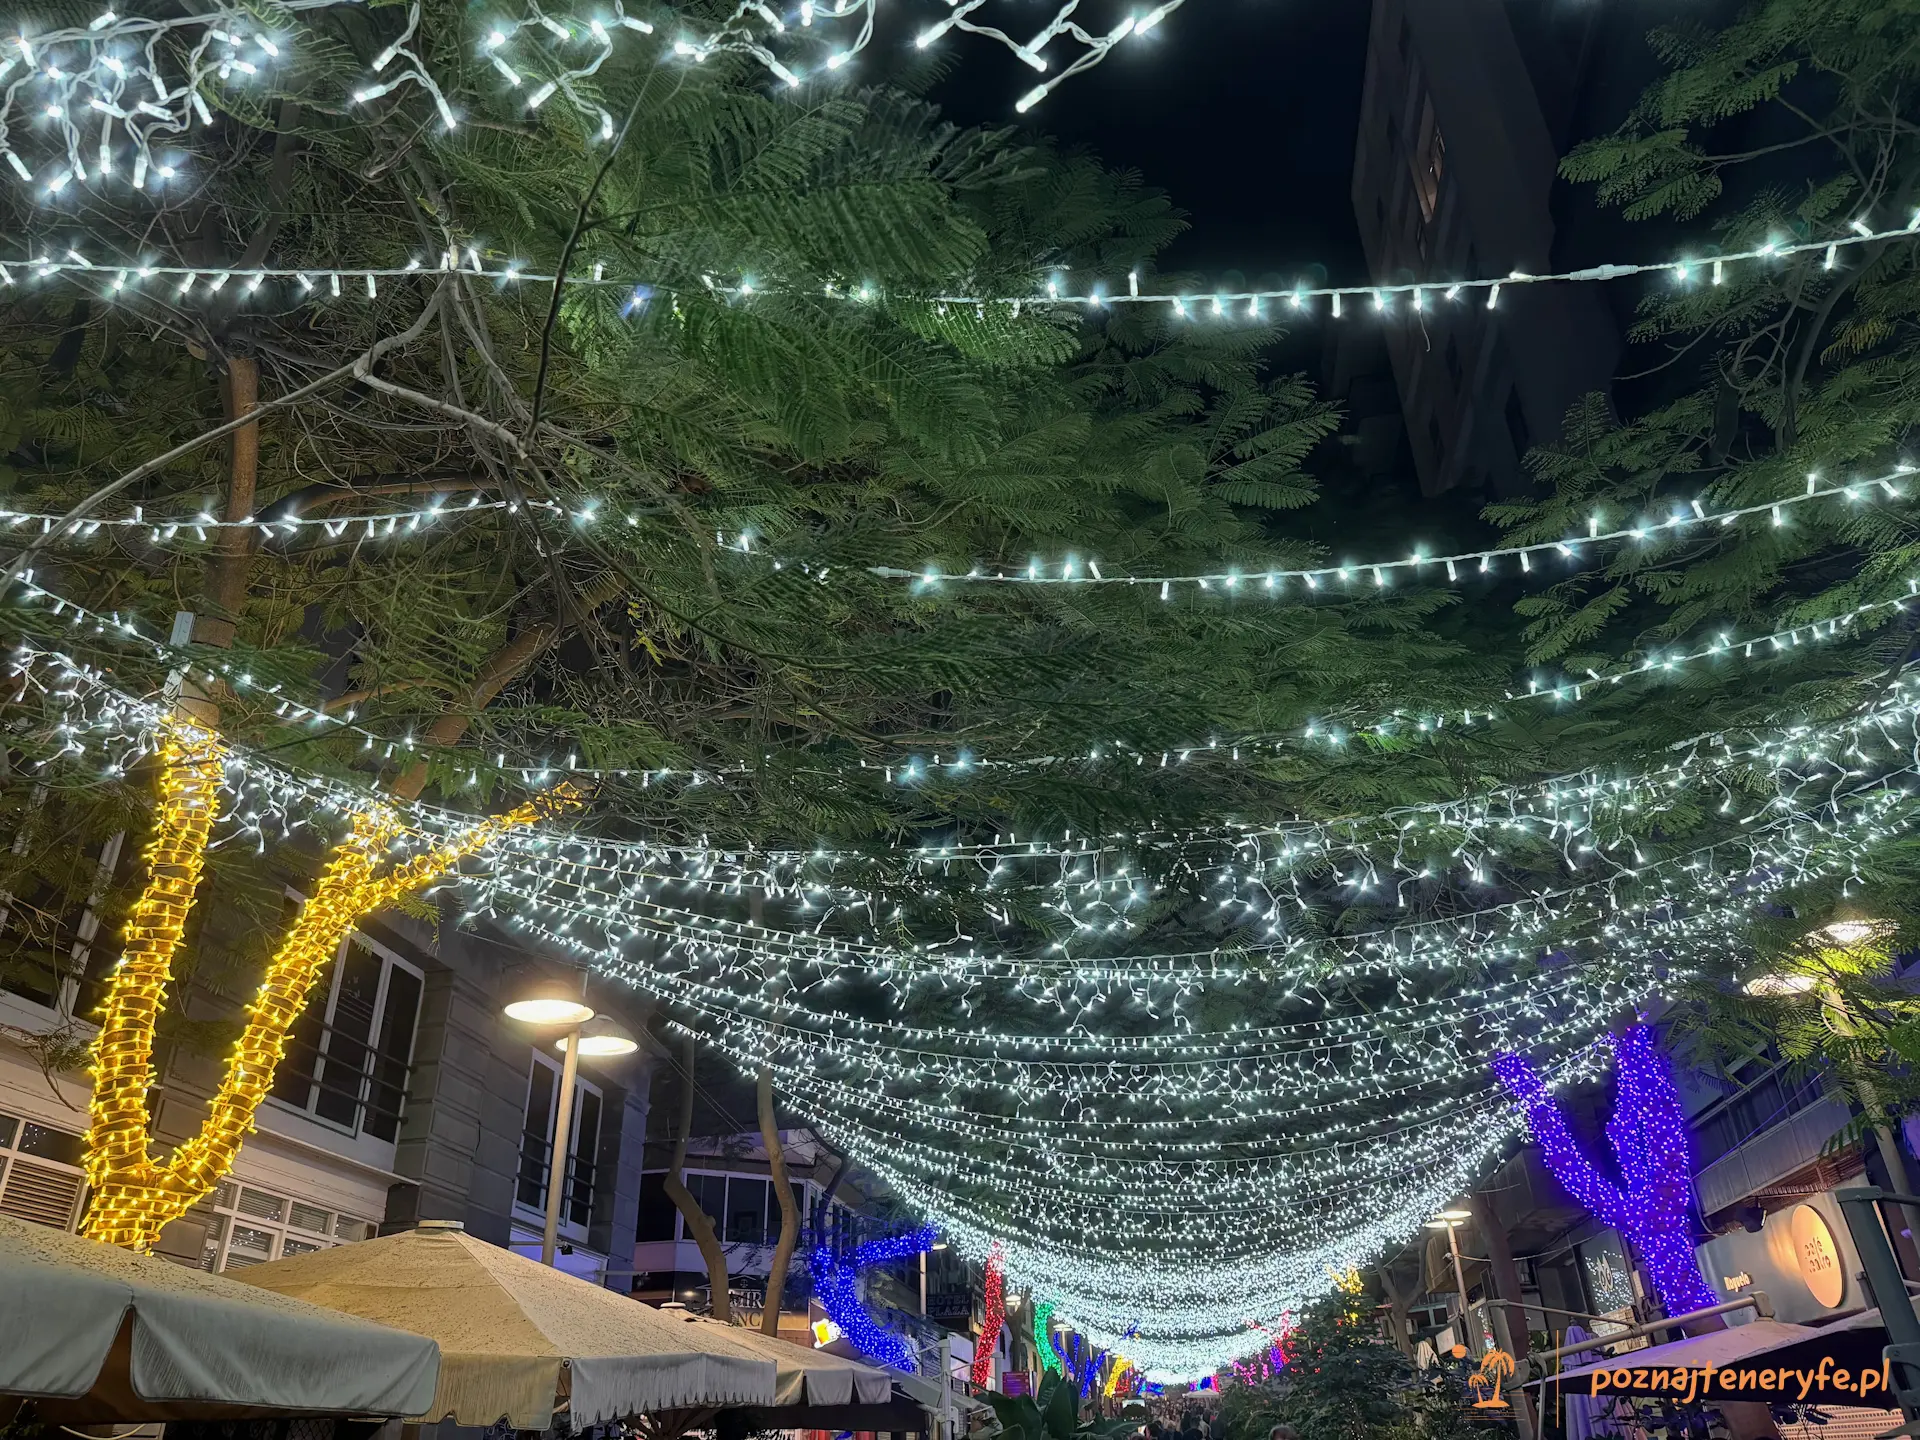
x=1242 y=110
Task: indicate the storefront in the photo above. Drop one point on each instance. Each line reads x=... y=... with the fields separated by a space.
x=1801 y=1256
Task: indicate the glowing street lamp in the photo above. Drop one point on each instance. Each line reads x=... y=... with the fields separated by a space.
x=1450 y=1221
x=602 y=1038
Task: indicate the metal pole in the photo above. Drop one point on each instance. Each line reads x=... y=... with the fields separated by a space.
x=1460 y=1283
x=923 y=1284
x=562 y=1135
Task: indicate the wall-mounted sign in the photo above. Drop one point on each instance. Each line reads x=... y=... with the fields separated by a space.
x=1735 y=1283
x=1819 y=1257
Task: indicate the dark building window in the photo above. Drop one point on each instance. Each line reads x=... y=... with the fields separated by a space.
x=536 y=1143
x=1771 y=1095
x=659 y=1216
x=742 y=1208
x=1433 y=438
x=1453 y=363
x=1517 y=426
x=710 y=1194
x=350 y=1053
x=1406 y=37
x=746 y=1210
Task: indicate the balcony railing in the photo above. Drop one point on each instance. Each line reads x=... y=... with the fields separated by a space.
x=1785 y=1142
x=343 y=1080
x=576 y=1201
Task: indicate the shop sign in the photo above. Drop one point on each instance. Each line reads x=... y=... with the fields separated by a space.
x=1819 y=1257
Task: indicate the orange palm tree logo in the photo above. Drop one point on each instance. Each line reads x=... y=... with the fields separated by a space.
x=1496 y=1367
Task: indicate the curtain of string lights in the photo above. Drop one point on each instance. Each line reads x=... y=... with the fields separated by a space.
x=1345 y=1126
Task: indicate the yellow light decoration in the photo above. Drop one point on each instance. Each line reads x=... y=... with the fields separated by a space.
x=135 y=1196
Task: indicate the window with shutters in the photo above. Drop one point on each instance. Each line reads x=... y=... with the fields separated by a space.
x=250 y=1226
x=350 y=1055
x=40 y=1175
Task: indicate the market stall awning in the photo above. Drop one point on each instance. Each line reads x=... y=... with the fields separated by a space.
x=806 y=1376
x=102 y=1334
x=519 y=1340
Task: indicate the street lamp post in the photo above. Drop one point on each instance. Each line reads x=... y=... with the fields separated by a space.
x=937 y=1245
x=561 y=1002
x=1450 y=1221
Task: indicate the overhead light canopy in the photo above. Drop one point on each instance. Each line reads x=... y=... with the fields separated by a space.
x=550 y=1001
x=602 y=1037
x=1456 y=1214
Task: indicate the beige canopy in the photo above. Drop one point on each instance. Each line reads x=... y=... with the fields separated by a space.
x=95 y=1333
x=807 y=1376
x=520 y=1340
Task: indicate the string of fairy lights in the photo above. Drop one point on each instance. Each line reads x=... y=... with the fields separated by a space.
x=1545 y=560
x=329 y=281
x=122 y=94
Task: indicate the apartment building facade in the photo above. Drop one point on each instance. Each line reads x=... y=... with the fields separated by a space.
x=1467 y=107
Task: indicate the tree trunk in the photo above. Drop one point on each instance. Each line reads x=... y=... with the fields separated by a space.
x=225 y=591
x=1399 y=1302
x=696 y=1218
x=789 y=1211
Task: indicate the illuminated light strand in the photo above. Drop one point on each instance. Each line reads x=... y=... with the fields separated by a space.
x=136 y=1197
x=1806 y=748
x=756 y=28
x=1043 y=1337
x=116 y=82
x=190 y=663
x=1296 y=839
x=1372 y=575
x=994 y=1317
x=1071 y=1151
x=1075 y=1065
x=1162 y=1292
x=763 y=953
x=1768 y=867
x=111 y=72
x=1228 y=306
x=837 y=1283
x=1176 y=1315
x=168 y=530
